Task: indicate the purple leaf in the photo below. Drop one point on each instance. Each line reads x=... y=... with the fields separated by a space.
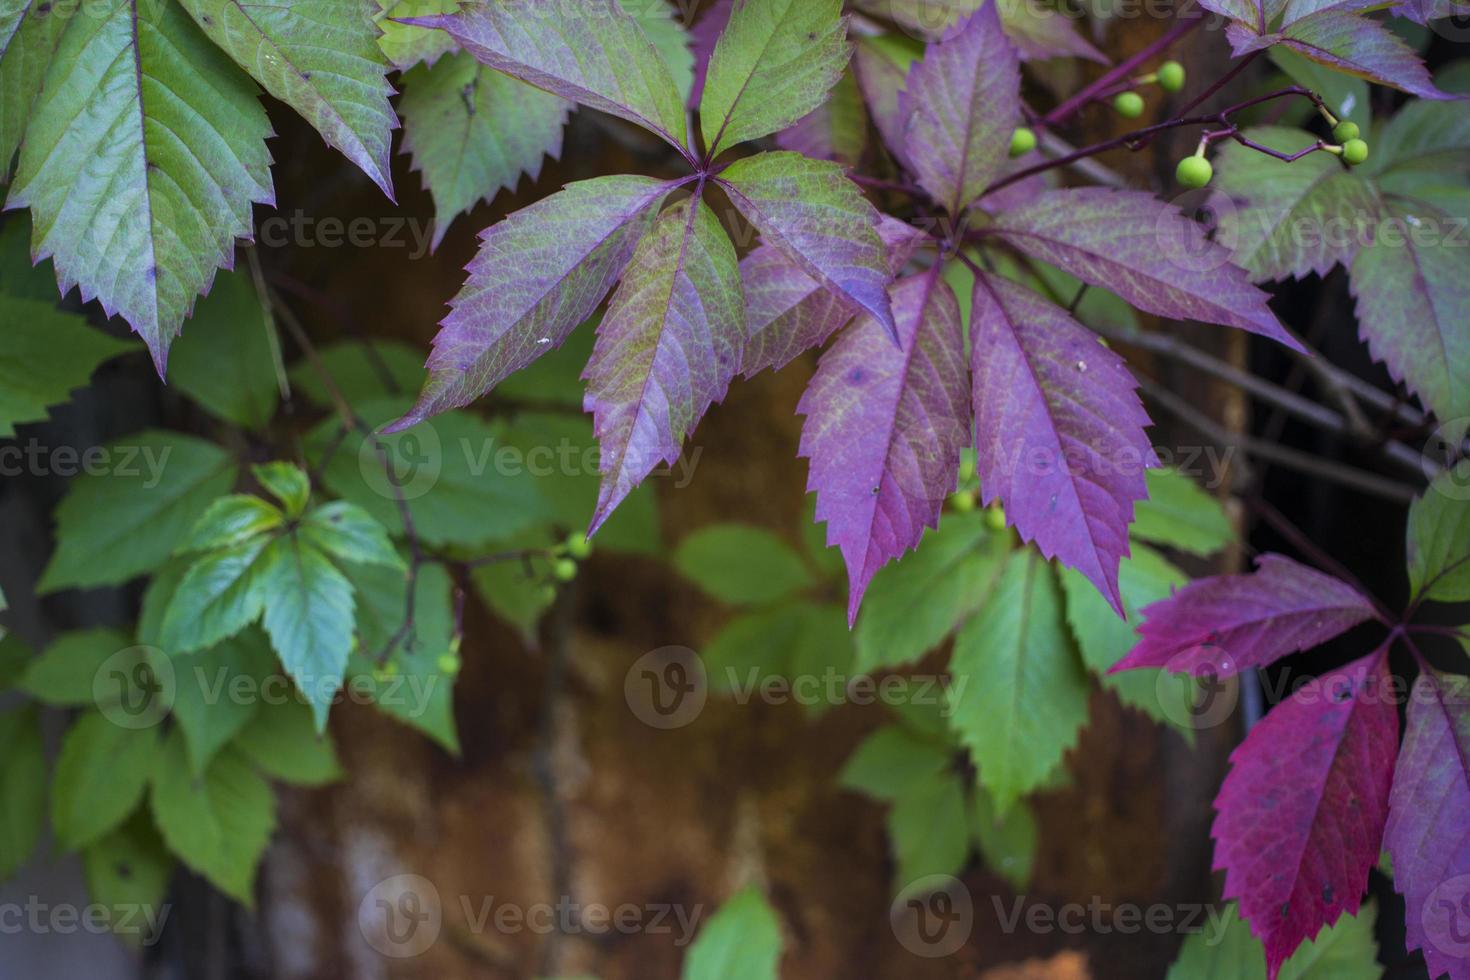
x=703 y=37
x=885 y=426
x=787 y=312
x=538 y=274
x=1040 y=32
x=589 y=51
x=961 y=103
x=881 y=66
x=1428 y=833
x=667 y=349
x=1059 y=430
x=811 y=212
x=837 y=130
x=1144 y=250
x=1223 y=625
x=1301 y=814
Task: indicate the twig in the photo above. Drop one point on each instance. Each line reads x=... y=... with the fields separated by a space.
x=1123 y=70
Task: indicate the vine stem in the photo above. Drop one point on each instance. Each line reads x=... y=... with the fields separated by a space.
x=1321 y=558
x=1121 y=72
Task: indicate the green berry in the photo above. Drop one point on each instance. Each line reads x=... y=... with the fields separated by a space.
x=1345 y=131
x=448 y=664
x=1171 y=76
x=1194 y=172
x=1355 y=152
x=995 y=518
x=1023 y=141
x=1129 y=105
x=967 y=469
x=962 y=502
x=564 y=570
x=385 y=673
x=578 y=546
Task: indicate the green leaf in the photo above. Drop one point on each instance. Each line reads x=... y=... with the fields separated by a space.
x=62 y=676
x=126 y=516
x=661 y=24
x=1439 y=539
x=33 y=375
x=741 y=941
x=128 y=872
x=473 y=131
x=309 y=618
x=232 y=521
x=740 y=564
x=929 y=829
x=916 y=602
x=406 y=45
x=556 y=378
x=349 y=533
x=1224 y=949
x=288 y=483
x=217 y=597
x=14 y=657
x=1007 y=843
x=362 y=371
x=805 y=644
x=321 y=58
x=776 y=61
x=1423 y=138
x=1018 y=692
x=1346 y=95
x=218 y=823
x=100 y=777
x=1180 y=514
x=891 y=761
x=226 y=361
x=217 y=692
x=518 y=595
x=22 y=787
x=28 y=33
x=282 y=741
x=174 y=140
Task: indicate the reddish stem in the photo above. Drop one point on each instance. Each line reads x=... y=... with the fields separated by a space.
x=1122 y=71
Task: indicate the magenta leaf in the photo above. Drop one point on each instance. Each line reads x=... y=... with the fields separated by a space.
x=538 y=274
x=808 y=210
x=1300 y=816
x=961 y=104
x=885 y=426
x=666 y=350
x=589 y=51
x=1224 y=624
x=1144 y=250
x=1428 y=833
x=1059 y=430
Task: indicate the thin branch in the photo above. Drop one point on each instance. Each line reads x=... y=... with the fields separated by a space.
x=1122 y=71
x=1317 y=555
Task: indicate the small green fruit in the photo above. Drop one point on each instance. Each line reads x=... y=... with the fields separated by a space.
x=1355 y=152
x=385 y=673
x=564 y=570
x=1194 y=172
x=962 y=502
x=1345 y=131
x=1023 y=141
x=995 y=518
x=967 y=469
x=578 y=546
x=1129 y=105
x=448 y=664
x=1171 y=76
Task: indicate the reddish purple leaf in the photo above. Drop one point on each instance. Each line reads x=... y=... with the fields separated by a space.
x=960 y=105
x=1224 y=624
x=881 y=69
x=703 y=37
x=1300 y=816
x=1058 y=430
x=1428 y=833
x=885 y=426
x=1144 y=250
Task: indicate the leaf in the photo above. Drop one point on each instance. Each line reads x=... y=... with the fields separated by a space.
x=232 y=521
x=63 y=675
x=125 y=517
x=405 y=45
x=362 y=370
x=741 y=941
x=929 y=829
x=1438 y=544
x=1018 y=693
x=1433 y=136
x=1144 y=250
x=894 y=759
x=962 y=102
x=589 y=51
x=288 y=483
x=129 y=869
x=1222 y=625
x=321 y=58
x=919 y=600
x=22 y=787
x=28 y=33
x=232 y=328
x=283 y=742
x=776 y=61
x=1426 y=832
x=1346 y=96
x=1225 y=950
x=100 y=776
x=1009 y=843
x=175 y=140
x=664 y=27
x=348 y=533
x=805 y=646
x=217 y=824
x=308 y=614
x=1290 y=220
x=885 y=426
x=740 y=564
x=835 y=131
x=1411 y=302
x=32 y=376
x=218 y=597
x=1300 y=816
x=1040 y=32
x=1059 y=430
x=714 y=17
x=881 y=65
x=473 y=131
x=538 y=274
x=1180 y=514
x=666 y=350
x=206 y=704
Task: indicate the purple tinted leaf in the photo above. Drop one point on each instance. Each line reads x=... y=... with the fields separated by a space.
x=1059 y=430
x=1300 y=817
x=961 y=104
x=811 y=212
x=1040 y=32
x=589 y=51
x=837 y=130
x=1144 y=250
x=1428 y=832
x=1225 y=624
x=538 y=274
x=667 y=349
x=1349 y=43
x=703 y=37
x=787 y=312
x=885 y=426
x=881 y=66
